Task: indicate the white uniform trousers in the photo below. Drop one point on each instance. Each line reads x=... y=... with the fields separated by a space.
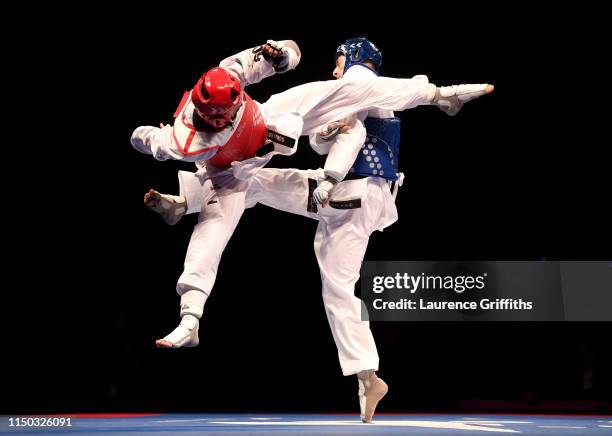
x=357 y=208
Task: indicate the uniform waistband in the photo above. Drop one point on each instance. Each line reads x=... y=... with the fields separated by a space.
x=392 y=183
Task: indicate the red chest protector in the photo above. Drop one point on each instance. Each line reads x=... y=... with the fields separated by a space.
x=249 y=134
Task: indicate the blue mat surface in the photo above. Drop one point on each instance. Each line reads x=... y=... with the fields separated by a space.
x=279 y=425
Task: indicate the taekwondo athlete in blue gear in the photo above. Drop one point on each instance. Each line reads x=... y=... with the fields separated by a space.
x=360 y=204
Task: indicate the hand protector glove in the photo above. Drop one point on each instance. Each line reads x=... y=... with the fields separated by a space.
x=277 y=54
x=322 y=193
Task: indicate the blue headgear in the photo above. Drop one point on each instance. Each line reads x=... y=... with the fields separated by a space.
x=359 y=50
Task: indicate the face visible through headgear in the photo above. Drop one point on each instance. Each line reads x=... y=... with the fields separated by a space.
x=339 y=68
x=217 y=97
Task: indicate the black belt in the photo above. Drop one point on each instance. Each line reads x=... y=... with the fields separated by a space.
x=275 y=137
x=355 y=177
x=344 y=204
x=264 y=149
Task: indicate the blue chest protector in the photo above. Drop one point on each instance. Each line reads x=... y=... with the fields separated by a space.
x=380 y=153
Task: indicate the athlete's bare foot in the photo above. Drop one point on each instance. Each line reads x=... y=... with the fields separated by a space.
x=170 y=207
x=152 y=198
x=371 y=390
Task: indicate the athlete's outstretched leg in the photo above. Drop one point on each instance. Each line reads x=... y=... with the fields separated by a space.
x=320 y=103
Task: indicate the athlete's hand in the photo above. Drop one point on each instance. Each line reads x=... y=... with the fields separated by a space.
x=272 y=50
x=332 y=129
x=277 y=54
x=322 y=193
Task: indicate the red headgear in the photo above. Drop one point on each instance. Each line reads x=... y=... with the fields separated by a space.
x=216 y=95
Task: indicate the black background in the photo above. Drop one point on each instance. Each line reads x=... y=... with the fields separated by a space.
x=518 y=174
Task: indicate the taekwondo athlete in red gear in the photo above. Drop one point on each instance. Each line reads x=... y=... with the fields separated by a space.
x=218 y=124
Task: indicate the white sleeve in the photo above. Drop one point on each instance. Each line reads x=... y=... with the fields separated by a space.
x=250 y=67
x=161 y=145
x=344 y=150
x=321 y=145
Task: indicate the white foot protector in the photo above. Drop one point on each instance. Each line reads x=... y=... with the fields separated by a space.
x=451 y=98
x=371 y=390
x=185 y=335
